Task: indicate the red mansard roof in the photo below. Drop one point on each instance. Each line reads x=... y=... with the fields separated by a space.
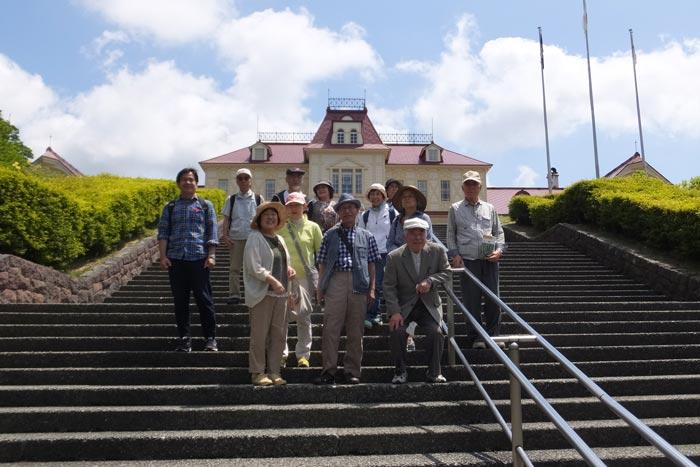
x=324 y=134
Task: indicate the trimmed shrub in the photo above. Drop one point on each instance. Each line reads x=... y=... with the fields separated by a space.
x=37 y=222
x=55 y=221
x=661 y=215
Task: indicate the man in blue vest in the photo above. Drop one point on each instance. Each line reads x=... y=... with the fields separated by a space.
x=346 y=282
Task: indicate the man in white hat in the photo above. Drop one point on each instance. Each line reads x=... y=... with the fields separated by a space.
x=413 y=272
x=238 y=211
x=476 y=242
x=377 y=219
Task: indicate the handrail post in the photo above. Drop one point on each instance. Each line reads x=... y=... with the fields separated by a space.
x=516 y=408
x=450 y=322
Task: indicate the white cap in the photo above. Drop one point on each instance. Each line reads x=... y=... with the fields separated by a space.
x=415 y=223
x=244 y=172
x=473 y=176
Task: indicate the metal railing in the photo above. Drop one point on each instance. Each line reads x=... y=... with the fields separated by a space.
x=518 y=380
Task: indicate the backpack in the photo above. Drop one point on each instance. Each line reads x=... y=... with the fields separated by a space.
x=258 y=202
x=392 y=216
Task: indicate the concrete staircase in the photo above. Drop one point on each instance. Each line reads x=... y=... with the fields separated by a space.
x=100 y=382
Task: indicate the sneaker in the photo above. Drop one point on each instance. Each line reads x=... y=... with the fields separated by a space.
x=352 y=380
x=302 y=362
x=478 y=344
x=410 y=344
x=210 y=345
x=283 y=361
x=377 y=321
x=399 y=378
x=436 y=379
x=368 y=324
x=325 y=378
x=233 y=300
x=184 y=345
x=277 y=380
x=261 y=379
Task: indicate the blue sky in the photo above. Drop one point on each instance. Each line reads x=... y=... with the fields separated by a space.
x=145 y=87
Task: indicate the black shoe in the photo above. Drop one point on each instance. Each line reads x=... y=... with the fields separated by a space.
x=233 y=300
x=479 y=343
x=184 y=345
x=325 y=378
x=210 y=345
x=352 y=380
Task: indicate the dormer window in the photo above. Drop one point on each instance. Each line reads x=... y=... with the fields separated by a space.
x=340 y=136
x=432 y=155
x=259 y=152
x=346 y=132
x=353 y=136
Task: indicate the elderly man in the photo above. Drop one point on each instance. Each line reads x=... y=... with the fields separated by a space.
x=294 y=179
x=346 y=281
x=475 y=240
x=238 y=211
x=412 y=274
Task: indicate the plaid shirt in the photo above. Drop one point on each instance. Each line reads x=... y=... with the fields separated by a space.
x=188 y=233
x=344 y=261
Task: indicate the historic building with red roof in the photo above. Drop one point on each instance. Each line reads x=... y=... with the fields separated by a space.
x=53 y=162
x=348 y=151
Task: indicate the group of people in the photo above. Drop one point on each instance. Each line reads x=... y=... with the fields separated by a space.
x=295 y=253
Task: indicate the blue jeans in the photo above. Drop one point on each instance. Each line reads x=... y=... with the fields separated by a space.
x=373 y=311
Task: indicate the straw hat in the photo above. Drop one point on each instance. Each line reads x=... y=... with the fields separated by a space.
x=281 y=214
x=421 y=202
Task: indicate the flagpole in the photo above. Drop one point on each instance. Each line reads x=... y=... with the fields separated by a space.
x=636 y=95
x=544 y=107
x=590 y=90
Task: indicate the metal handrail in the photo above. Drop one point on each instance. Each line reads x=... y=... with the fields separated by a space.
x=650 y=435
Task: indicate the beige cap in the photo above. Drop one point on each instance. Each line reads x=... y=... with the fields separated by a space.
x=244 y=172
x=377 y=186
x=472 y=175
x=415 y=223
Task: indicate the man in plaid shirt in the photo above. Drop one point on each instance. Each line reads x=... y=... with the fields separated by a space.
x=187 y=240
x=346 y=282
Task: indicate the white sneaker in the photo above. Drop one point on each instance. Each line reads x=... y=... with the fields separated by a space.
x=399 y=378
x=437 y=379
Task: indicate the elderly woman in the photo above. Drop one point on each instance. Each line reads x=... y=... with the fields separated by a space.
x=321 y=209
x=266 y=273
x=410 y=202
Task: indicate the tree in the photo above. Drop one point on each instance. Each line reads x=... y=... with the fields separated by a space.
x=12 y=150
x=692 y=184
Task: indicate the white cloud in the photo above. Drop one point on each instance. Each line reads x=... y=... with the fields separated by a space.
x=153 y=121
x=169 y=21
x=276 y=57
x=490 y=100
x=527 y=176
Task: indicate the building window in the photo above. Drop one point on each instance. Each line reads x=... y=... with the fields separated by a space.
x=445 y=190
x=353 y=136
x=259 y=154
x=433 y=155
x=348 y=180
x=270 y=190
x=341 y=136
x=422 y=185
x=223 y=184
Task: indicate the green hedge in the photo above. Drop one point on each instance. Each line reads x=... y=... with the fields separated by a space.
x=55 y=221
x=658 y=214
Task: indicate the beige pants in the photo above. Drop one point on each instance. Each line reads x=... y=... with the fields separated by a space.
x=234 y=273
x=343 y=308
x=268 y=331
x=302 y=316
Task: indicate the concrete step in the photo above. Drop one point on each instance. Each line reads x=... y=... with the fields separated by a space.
x=176 y=417
x=322 y=441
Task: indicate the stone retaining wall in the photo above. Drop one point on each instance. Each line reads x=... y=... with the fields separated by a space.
x=662 y=277
x=22 y=281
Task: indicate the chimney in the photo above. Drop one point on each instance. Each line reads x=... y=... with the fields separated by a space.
x=553 y=178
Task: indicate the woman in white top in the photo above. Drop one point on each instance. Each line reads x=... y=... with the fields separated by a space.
x=266 y=274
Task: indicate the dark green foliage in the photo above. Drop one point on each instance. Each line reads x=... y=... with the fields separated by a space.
x=12 y=150
x=660 y=215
